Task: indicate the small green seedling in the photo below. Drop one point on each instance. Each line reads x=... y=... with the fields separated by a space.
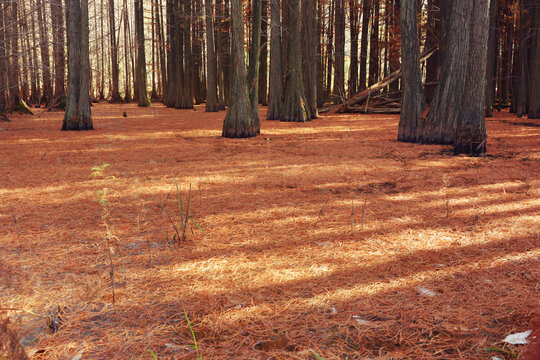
x=194 y=346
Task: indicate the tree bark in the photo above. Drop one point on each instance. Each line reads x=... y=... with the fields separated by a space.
x=211 y=62
x=238 y=122
x=364 y=45
x=263 y=62
x=254 y=55
x=295 y=106
x=47 y=92
x=115 y=94
x=521 y=96
x=339 y=55
x=410 y=122
x=534 y=93
x=187 y=88
x=58 y=52
x=374 y=45
x=457 y=114
x=354 y=30
x=143 y=99
x=491 y=58
x=77 y=115
x=275 y=98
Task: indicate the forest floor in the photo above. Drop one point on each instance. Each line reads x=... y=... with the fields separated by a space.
x=327 y=236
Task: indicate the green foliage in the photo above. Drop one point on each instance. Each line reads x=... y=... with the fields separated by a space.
x=153 y=355
x=194 y=346
x=99 y=171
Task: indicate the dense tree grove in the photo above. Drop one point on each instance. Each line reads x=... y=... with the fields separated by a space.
x=301 y=55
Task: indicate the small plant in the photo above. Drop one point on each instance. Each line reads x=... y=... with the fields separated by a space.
x=153 y=355
x=319 y=357
x=185 y=218
x=194 y=346
x=102 y=197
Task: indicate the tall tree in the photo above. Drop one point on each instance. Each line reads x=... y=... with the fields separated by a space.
x=339 y=54
x=58 y=52
x=364 y=45
x=374 y=44
x=410 y=122
x=127 y=83
x=188 y=64
x=263 y=62
x=143 y=100
x=77 y=115
x=295 y=107
x=354 y=30
x=275 y=96
x=45 y=58
x=115 y=94
x=254 y=56
x=309 y=55
x=491 y=58
x=239 y=121
x=211 y=62
x=534 y=92
x=520 y=96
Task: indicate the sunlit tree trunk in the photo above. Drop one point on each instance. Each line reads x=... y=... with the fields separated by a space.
x=364 y=45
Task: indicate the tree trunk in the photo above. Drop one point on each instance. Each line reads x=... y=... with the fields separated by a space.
x=77 y=115
x=330 y=49
x=143 y=99
x=295 y=106
x=35 y=97
x=432 y=40
x=239 y=121
x=45 y=61
x=127 y=95
x=534 y=102
x=254 y=55
x=374 y=45
x=457 y=114
x=339 y=55
x=275 y=97
x=354 y=29
x=521 y=96
x=211 y=64
x=364 y=45
x=309 y=56
x=115 y=94
x=410 y=122
x=506 y=61
x=491 y=58
x=187 y=88
x=263 y=62
x=58 y=52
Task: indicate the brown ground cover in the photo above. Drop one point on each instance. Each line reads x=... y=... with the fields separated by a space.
x=327 y=236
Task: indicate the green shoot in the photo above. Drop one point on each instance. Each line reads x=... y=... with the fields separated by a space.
x=153 y=355
x=319 y=357
x=195 y=346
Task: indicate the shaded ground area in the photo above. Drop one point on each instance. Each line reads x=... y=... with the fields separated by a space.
x=327 y=236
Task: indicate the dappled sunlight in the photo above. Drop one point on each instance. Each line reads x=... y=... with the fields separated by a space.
x=329 y=233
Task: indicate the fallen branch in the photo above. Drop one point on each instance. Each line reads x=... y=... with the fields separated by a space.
x=355 y=99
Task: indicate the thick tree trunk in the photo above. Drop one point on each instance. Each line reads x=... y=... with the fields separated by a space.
x=318 y=52
x=410 y=122
x=457 y=114
x=364 y=45
x=77 y=115
x=506 y=62
x=162 y=61
x=34 y=98
x=153 y=6
x=239 y=121
x=263 y=62
x=295 y=106
x=309 y=56
x=143 y=99
x=115 y=94
x=432 y=40
x=211 y=62
x=330 y=49
x=254 y=55
x=275 y=97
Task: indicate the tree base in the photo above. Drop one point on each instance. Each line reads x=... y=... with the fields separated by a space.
x=471 y=149
x=20 y=107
